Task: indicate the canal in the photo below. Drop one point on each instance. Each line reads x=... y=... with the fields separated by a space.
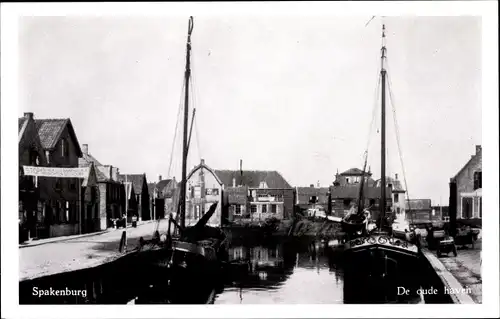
x=300 y=272
x=272 y=271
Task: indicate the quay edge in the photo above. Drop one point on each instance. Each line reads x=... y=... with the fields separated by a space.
x=447 y=279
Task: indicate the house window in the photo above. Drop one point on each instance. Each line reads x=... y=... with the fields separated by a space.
x=72 y=185
x=58 y=184
x=253 y=208
x=466 y=207
x=480 y=207
x=64 y=148
x=478 y=180
x=264 y=208
x=396 y=198
x=273 y=208
x=347 y=180
x=196 y=212
x=237 y=209
x=372 y=202
x=356 y=179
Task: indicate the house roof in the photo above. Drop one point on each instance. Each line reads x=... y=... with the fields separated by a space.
x=304 y=194
x=21 y=124
x=137 y=181
x=163 y=183
x=252 y=179
x=396 y=184
x=86 y=159
x=468 y=162
x=352 y=191
x=354 y=171
x=160 y=186
x=151 y=189
x=50 y=130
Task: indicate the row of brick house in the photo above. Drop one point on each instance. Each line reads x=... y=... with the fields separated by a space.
x=64 y=190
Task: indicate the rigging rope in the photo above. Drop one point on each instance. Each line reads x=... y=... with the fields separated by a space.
x=176 y=129
x=365 y=154
x=169 y=174
x=393 y=104
x=195 y=93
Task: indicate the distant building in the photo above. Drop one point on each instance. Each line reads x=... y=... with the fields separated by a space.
x=398 y=193
x=440 y=213
x=203 y=188
x=346 y=190
x=137 y=193
x=466 y=189
x=419 y=210
x=254 y=196
x=111 y=203
x=247 y=196
x=353 y=176
x=164 y=197
x=307 y=197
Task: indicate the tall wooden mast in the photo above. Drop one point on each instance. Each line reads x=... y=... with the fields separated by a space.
x=382 y=136
x=187 y=74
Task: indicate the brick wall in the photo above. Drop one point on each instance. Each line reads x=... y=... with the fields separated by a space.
x=465 y=178
x=102 y=206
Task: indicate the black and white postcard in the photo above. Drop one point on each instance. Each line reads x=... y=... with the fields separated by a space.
x=234 y=159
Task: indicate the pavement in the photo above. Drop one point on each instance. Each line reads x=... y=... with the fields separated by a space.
x=463 y=271
x=57 y=255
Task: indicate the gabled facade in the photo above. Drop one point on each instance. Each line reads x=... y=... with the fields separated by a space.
x=66 y=197
x=136 y=185
x=203 y=188
x=398 y=193
x=31 y=206
x=466 y=189
x=163 y=197
x=62 y=149
x=111 y=205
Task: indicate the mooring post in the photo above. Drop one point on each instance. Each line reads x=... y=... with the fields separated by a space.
x=123 y=242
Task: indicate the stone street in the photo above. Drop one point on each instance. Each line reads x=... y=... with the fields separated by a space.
x=466 y=268
x=80 y=252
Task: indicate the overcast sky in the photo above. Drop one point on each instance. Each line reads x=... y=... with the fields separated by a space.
x=294 y=95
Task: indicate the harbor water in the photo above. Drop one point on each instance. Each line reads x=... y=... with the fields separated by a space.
x=302 y=272
x=270 y=271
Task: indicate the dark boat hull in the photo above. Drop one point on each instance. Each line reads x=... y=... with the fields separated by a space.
x=377 y=269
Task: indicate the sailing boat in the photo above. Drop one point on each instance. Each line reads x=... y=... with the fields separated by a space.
x=192 y=256
x=379 y=256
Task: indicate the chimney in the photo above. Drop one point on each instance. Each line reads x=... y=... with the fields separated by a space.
x=396 y=176
x=234 y=182
x=85 y=149
x=478 y=149
x=202 y=162
x=28 y=115
x=241 y=172
x=318 y=184
x=159 y=178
